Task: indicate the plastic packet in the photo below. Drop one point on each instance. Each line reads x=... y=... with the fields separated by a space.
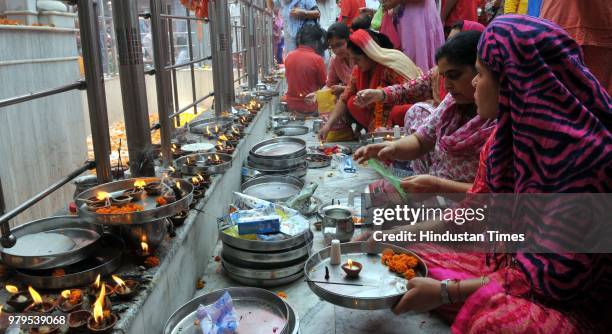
x=219 y=317
x=392 y=179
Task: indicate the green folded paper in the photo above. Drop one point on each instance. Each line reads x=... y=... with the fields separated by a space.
x=386 y=174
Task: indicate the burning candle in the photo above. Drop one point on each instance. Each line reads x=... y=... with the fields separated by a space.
x=97 y=284
x=352 y=268
x=11 y=289
x=18 y=300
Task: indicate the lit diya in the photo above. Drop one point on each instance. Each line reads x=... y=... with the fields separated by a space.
x=97 y=284
x=102 y=200
x=197 y=194
x=238 y=131
x=101 y=320
x=191 y=162
x=214 y=160
x=243 y=120
x=125 y=289
x=70 y=300
x=153 y=188
x=18 y=300
x=137 y=193
x=209 y=134
x=176 y=151
x=39 y=305
x=144 y=250
x=352 y=268
x=388 y=138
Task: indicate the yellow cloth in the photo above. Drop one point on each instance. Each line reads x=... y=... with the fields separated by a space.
x=326 y=102
x=515 y=7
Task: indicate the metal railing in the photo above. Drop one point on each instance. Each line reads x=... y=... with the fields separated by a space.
x=96 y=100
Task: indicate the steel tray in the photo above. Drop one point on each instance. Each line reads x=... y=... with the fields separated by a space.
x=267 y=258
x=105 y=259
x=279 y=148
x=197 y=147
x=260 y=312
x=291 y=130
x=201 y=167
x=273 y=188
x=257 y=273
x=382 y=288
x=267 y=246
x=317 y=160
x=275 y=164
x=377 y=137
x=51 y=243
x=321 y=148
x=150 y=213
x=199 y=126
x=265 y=283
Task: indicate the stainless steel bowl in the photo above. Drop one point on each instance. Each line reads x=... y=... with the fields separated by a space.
x=338 y=224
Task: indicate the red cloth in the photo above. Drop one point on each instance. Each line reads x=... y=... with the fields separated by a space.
x=463 y=10
x=365 y=116
x=350 y=10
x=388 y=28
x=339 y=72
x=305 y=73
x=480 y=182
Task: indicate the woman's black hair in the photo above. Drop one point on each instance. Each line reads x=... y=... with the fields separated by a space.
x=381 y=39
x=362 y=22
x=311 y=35
x=458 y=25
x=461 y=49
x=338 y=30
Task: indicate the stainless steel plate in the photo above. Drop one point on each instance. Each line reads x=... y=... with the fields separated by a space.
x=291 y=130
x=382 y=290
x=288 y=120
x=260 y=312
x=256 y=273
x=51 y=242
x=267 y=246
x=266 y=258
x=340 y=148
x=105 y=259
x=201 y=166
x=280 y=148
x=150 y=213
x=294 y=319
x=197 y=147
x=377 y=137
x=318 y=160
x=266 y=283
x=274 y=163
x=273 y=188
x=199 y=126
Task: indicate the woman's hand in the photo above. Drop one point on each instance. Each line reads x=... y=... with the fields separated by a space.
x=423 y=295
x=382 y=151
x=310 y=98
x=368 y=96
x=324 y=130
x=423 y=183
x=297 y=13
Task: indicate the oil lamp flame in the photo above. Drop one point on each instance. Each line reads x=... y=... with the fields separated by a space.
x=98 y=309
x=200 y=177
x=65 y=294
x=172 y=169
x=216 y=128
x=208 y=130
x=97 y=282
x=223 y=137
x=102 y=195
x=119 y=281
x=350 y=263
x=178 y=185
x=35 y=296
x=195 y=180
x=145 y=247
x=11 y=289
x=216 y=158
x=139 y=184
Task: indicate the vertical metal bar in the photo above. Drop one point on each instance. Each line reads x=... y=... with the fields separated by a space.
x=96 y=95
x=133 y=88
x=159 y=30
x=104 y=48
x=192 y=66
x=173 y=60
x=223 y=75
x=252 y=61
x=214 y=27
x=239 y=49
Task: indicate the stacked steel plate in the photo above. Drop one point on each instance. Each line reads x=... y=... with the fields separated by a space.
x=277 y=156
x=265 y=263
